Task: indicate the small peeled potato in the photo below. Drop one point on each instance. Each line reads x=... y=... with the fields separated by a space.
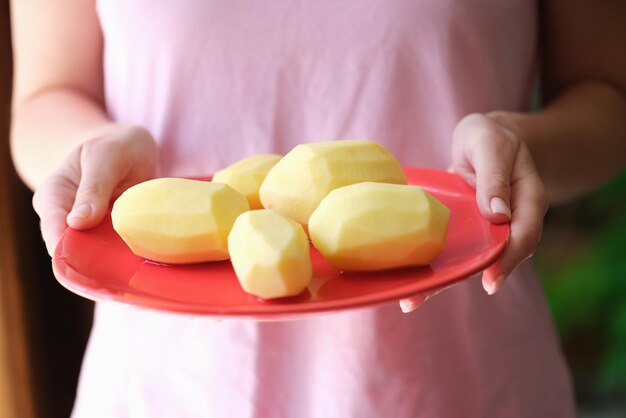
x=177 y=221
x=270 y=254
x=246 y=176
x=376 y=226
x=303 y=177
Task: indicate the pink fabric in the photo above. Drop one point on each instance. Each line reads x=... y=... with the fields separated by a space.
x=216 y=81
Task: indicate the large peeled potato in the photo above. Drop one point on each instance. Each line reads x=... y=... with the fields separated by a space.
x=270 y=254
x=246 y=176
x=376 y=226
x=172 y=220
x=303 y=177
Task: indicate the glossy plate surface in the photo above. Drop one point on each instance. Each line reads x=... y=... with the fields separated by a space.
x=98 y=265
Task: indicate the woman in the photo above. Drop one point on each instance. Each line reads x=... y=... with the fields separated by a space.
x=109 y=93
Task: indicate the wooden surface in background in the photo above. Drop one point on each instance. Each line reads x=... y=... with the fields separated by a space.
x=43 y=327
x=16 y=395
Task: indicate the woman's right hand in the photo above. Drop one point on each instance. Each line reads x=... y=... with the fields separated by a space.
x=78 y=193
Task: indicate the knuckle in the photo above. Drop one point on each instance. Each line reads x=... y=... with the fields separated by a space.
x=132 y=136
x=137 y=132
x=506 y=142
x=89 y=147
x=493 y=135
x=495 y=184
x=91 y=189
x=490 y=137
x=37 y=202
x=98 y=147
x=470 y=120
x=88 y=152
x=48 y=217
x=469 y=127
x=498 y=181
x=41 y=195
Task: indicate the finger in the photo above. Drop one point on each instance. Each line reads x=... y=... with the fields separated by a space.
x=52 y=201
x=52 y=226
x=412 y=303
x=529 y=207
x=484 y=153
x=100 y=174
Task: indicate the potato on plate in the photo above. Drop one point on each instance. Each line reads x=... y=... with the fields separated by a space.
x=303 y=177
x=270 y=254
x=177 y=221
x=376 y=226
x=247 y=175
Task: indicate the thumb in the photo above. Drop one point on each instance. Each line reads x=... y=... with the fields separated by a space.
x=98 y=179
x=488 y=154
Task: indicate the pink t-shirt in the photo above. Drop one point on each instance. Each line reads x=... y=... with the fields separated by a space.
x=215 y=81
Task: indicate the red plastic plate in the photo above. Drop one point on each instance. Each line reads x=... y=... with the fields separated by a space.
x=98 y=265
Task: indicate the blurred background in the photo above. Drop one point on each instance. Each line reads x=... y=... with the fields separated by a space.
x=582 y=264
x=44 y=328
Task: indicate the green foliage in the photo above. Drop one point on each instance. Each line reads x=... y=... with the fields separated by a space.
x=586 y=289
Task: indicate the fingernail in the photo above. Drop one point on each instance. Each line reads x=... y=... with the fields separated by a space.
x=405 y=306
x=491 y=287
x=498 y=206
x=81 y=211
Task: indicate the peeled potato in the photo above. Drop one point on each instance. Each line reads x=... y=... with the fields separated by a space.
x=376 y=226
x=246 y=176
x=176 y=221
x=303 y=177
x=270 y=254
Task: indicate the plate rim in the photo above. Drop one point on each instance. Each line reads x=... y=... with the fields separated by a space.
x=282 y=310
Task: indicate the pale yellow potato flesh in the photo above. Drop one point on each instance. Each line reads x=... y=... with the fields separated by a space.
x=178 y=221
x=246 y=176
x=375 y=226
x=270 y=254
x=303 y=177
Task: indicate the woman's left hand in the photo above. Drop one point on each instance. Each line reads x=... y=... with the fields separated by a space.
x=490 y=156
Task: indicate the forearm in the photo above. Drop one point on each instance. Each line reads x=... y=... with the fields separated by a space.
x=578 y=141
x=48 y=125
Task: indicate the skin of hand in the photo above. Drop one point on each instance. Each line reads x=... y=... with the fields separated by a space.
x=490 y=157
x=78 y=193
